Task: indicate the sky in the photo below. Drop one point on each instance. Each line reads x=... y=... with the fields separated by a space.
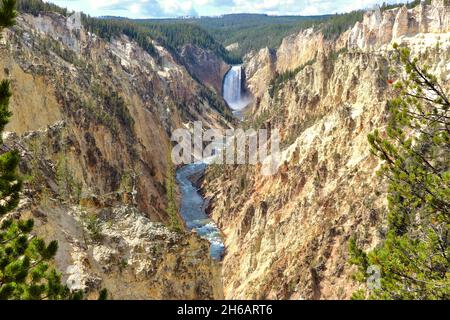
x=177 y=8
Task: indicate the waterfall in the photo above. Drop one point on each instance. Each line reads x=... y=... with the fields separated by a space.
x=232 y=89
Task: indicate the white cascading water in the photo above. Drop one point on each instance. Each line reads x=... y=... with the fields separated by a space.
x=232 y=89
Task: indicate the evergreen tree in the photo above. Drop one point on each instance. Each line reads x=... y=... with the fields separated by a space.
x=172 y=208
x=24 y=260
x=414 y=259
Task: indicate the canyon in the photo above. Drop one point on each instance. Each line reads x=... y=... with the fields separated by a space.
x=79 y=103
x=286 y=236
x=93 y=118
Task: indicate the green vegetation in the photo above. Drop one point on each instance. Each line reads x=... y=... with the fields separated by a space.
x=172 y=36
x=127 y=181
x=109 y=109
x=216 y=103
x=35 y=177
x=25 y=260
x=110 y=28
x=24 y=265
x=49 y=44
x=256 y=31
x=93 y=225
x=69 y=189
x=115 y=105
x=171 y=195
x=177 y=35
x=335 y=54
x=409 y=5
x=339 y=23
x=98 y=114
x=251 y=31
x=35 y=7
x=414 y=258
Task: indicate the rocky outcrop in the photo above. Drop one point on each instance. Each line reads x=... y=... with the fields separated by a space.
x=130 y=256
x=233 y=47
x=259 y=69
x=286 y=235
x=378 y=29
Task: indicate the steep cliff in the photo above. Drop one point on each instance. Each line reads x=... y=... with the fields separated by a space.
x=378 y=29
x=287 y=234
x=93 y=120
x=376 y=32
x=259 y=69
x=205 y=66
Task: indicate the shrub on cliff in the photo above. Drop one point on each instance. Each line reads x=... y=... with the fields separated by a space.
x=171 y=194
x=414 y=259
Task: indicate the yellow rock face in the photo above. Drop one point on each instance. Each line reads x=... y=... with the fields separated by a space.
x=93 y=121
x=287 y=235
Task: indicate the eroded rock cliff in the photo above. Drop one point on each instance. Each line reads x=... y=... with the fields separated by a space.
x=259 y=69
x=287 y=234
x=423 y=25
x=93 y=120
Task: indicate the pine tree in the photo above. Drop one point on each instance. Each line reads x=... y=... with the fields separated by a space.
x=24 y=260
x=414 y=259
x=172 y=208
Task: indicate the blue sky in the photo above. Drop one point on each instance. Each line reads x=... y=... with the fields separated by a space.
x=176 y=8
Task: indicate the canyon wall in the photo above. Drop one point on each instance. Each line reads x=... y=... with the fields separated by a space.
x=259 y=69
x=287 y=235
x=421 y=26
x=93 y=120
x=205 y=66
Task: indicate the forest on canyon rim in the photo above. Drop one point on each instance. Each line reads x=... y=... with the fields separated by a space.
x=92 y=207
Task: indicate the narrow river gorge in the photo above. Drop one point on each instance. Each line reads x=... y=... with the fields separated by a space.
x=193 y=208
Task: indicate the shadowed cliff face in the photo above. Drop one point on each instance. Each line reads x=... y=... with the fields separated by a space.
x=205 y=66
x=287 y=235
x=93 y=120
